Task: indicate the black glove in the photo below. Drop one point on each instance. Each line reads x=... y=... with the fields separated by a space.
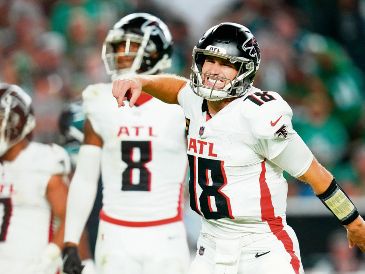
x=71 y=260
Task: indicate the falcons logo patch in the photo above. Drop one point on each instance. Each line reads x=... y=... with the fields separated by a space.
x=282 y=132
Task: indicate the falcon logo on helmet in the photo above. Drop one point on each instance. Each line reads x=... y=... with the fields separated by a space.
x=249 y=47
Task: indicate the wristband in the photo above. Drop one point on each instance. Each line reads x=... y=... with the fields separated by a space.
x=336 y=200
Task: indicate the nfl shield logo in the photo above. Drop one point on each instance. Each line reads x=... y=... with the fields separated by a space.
x=201 y=131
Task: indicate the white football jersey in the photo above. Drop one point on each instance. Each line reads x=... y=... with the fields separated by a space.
x=233 y=184
x=143 y=158
x=25 y=214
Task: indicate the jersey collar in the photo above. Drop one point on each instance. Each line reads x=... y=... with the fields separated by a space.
x=143 y=98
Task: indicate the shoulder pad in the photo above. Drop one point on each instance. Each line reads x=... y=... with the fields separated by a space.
x=96 y=90
x=93 y=94
x=267 y=113
x=61 y=164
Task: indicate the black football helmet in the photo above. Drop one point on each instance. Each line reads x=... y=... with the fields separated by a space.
x=71 y=122
x=71 y=126
x=153 y=37
x=16 y=116
x=233 y=43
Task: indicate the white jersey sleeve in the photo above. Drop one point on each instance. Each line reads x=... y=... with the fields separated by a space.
x=62 y=163
x=93 y=97
x=303 y=157
x=188 y=100
x=181 y=97
x=54 y=161
x=269 y=121
x=24 y=202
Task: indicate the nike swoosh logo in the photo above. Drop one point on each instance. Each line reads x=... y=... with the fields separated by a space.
x=261 y=254
x=275 y=122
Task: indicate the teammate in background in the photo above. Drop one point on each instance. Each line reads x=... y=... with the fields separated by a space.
x=32 y=191
x=71 y=124
x=240 y=139
x=141 y=155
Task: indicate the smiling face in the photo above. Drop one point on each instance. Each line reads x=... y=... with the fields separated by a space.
x=217 y=72
x=230 y=55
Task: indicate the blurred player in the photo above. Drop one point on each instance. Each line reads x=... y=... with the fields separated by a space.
x=71 y=127
x=141 y=155
x=32 y=191
x=71 y=122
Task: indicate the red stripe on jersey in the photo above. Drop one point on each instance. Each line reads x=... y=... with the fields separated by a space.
x=275 y=223
x=51 y=228
x=177 y=218
x=112 y=220
x=208 y=180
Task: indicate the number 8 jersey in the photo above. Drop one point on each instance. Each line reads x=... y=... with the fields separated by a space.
x=233 y=184
x=143 y=157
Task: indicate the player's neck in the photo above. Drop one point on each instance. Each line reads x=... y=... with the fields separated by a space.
x=14 y=151
x=215 y=106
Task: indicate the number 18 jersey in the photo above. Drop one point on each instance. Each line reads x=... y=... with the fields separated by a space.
x=233 y=184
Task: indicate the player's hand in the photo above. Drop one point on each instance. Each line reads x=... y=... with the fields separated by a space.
x=124 y=85
x=356 y=234
x=50 y=260
x=71 y=260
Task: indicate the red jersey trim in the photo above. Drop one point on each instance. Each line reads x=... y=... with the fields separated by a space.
x=275 y=223
x=177 y=218
x=114 y=221
x=143 y=98
x=51 y=229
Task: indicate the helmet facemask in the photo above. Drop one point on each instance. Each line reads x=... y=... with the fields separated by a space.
x=16 y=120
x=236 y=47
x=232 y=88
x=143 y=58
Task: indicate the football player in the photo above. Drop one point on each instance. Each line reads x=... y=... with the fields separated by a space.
x=140 y=153
x=33 y=191
x=70 y=124
x=240 y=139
